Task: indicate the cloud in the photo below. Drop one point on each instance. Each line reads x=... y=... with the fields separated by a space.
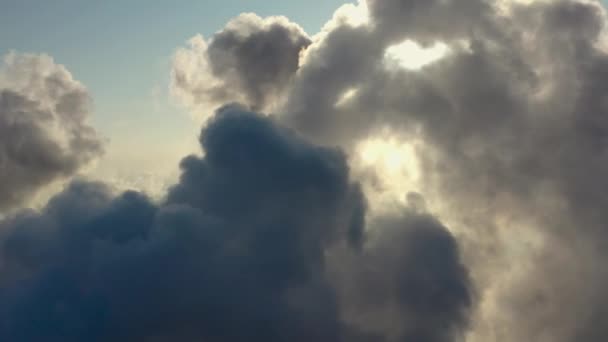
x=270 y=237
x=511 y=141
x=252 y=60
x=44 y=134
x=514 y=139
x=408 y=283
x=242 y=248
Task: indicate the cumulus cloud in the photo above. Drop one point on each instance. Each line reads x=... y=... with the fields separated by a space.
x=511 y=133
x=240 y=249
x=408 y=283
x=251 y=61
x=44 y=134
x=269 y=237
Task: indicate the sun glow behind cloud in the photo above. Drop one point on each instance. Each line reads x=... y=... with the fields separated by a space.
x=411 y=55
x=396 y=168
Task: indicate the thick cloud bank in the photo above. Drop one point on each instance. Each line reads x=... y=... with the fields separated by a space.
x=262 y=239
x=511 y=130
x=277 y=232
x=44 y=135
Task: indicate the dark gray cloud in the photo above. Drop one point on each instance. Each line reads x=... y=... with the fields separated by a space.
x=237 y=251
x=252 y=61
x=44 y=135
x=408 y=283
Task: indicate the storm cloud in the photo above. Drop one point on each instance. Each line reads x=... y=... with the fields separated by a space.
x=408 y=283
x=44 y=134
x=239 y=250
x=280 y=231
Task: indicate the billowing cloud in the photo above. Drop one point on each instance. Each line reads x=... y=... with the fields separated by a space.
x=510 y=128
x=239 y=250
x=408 y=283
x=44 y=134
x=252 y=61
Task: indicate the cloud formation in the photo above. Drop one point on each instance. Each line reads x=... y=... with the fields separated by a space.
x=514 y=141
x=408 y=283
x=251 y=61
x=239 y=250
x=44 y=134
x=271 y=237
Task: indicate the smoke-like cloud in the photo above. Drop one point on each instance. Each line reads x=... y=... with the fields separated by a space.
x=408 y=282
x=44 y=134
x=239 y=250
x=269 y=237
x=252 y=61
x=513 y=131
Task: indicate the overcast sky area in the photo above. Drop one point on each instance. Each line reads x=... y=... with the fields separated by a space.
x=296 y=171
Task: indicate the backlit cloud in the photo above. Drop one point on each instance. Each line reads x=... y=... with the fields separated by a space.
x=44 y=130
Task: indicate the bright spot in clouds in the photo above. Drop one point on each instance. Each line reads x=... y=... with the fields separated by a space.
x=348 y=95
x=396 y=166
x=390 y=155
x=353 y=15
x=410 y=55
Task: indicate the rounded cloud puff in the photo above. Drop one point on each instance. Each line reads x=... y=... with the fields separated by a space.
x=44 y=134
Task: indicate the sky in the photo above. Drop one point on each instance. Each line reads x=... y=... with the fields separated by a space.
x=373 y=171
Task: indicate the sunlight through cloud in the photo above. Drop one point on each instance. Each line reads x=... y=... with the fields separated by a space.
x=413 y=56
